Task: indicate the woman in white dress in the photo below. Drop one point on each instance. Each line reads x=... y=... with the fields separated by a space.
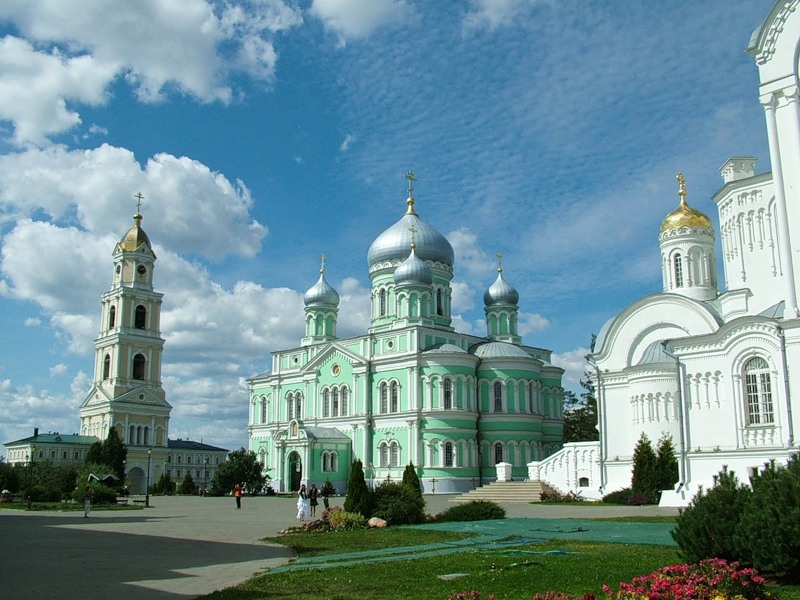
x=302 y=503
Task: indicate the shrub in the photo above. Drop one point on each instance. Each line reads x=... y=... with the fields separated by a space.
x=340 y=520
x=359 y=496
x=637 y=499
x=618 y=497
x=666 y=464
x=770 y=525
x=477 y=510
x=555 y=496
x=706 y=528
x=411 y=479
x=645 y=478
x=398 y=504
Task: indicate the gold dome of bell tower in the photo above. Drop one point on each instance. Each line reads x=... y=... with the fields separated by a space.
x=684 y=215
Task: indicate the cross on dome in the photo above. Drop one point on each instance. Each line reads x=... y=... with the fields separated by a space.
x=681 y=187
x=413 y=231
x=410 y=201
x=499 y=262
x=139 y=197
x=322 y=263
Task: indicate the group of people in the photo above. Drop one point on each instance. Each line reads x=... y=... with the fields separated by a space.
x=307 y=499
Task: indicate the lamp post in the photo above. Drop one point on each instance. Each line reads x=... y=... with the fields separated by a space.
x=205 y=477
x=124 y=473
x=147 y=490
x=30 y=476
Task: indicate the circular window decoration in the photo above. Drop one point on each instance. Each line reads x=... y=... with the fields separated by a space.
x=141 y=269
x=118 y=269
x=336 y=369
x=294 y=360
x=390 y=344
x=141 y=396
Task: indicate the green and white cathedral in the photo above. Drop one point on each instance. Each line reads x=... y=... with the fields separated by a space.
x=412 y=390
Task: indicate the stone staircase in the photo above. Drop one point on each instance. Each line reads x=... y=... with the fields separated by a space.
x=507 y=491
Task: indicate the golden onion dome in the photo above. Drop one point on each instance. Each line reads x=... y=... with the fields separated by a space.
x=684 y=215
x=135 y=236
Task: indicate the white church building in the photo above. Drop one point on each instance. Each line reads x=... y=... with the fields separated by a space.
x=714 y=368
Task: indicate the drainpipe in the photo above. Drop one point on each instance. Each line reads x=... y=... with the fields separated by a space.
x=478 y=426
x=601 y=413
x=679 y=380
x=782 y=338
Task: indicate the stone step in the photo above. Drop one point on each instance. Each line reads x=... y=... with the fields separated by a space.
x=507 y=491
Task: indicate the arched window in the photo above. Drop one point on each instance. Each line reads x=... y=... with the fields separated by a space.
x=448 y=454
x=325 y=464
x=334 y=463
x=395 y=397
x=290 y=407
x=343 y=407
x=395 y=454
x=439 y=303
x=326 y=401
x=759 y=392
x=141 y=317
x=498 y=397
x=530 y=397
x=298 y=403
x=382 y=298
x=106 y=366
x=112 y=317
x=132 y=435
x=448 y=394
x=335 y=408
x=384 y=398
x=263 y=409
x=498 y=453
x=384 y=455
x=139 y=364
x=677 y=265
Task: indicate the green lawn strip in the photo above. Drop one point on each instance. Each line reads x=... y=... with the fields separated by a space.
x=64 y=506
x=510 y=573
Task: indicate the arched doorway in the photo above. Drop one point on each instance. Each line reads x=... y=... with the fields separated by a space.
x=135 y=480
x=295 y=471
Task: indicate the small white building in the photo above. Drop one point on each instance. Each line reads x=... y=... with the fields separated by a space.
x=713 y=369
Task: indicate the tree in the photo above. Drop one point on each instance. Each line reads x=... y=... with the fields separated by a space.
x=163 y=485
x=666 y=464
x=242 y=467
x=110 y=453
x=187 y=486
x=359 y=497
x=580 y=414
x=645 y=473
x=9 y=477
x=411 y=479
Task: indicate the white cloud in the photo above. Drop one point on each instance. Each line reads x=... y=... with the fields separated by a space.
x=187 y=206
x=468 y=254
x=530 y=322
x=32 y=322
x=156 y=45
x=357 y=19
x=462 y=297
x=493 y=14
x=58 y=370
x=574 y=364
x=348 y=140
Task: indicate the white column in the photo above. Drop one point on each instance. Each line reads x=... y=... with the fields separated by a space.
x=768 y=102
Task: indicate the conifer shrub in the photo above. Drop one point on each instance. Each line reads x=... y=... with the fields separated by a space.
x=666 y=464
x=645 y=478
x=398 y=504
x=359 y=496
x=411 y=479
x=770 y=525
x=477 y=510
x=707 y=527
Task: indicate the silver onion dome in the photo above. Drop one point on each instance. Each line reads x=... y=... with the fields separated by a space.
x=500 y=292
x=392 y=245
x=321 y=293
x=413 y=271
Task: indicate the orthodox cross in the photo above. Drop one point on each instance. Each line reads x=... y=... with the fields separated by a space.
x=499 y=262
x=139 y=197
x=322 y=266
x=682 y=187
x=411 y=180
x=413 y=231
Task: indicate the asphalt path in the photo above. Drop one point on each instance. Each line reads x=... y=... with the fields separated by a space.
x=179 y=547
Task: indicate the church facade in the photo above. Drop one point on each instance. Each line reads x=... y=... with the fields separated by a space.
x=714 y=369
x=412 y=389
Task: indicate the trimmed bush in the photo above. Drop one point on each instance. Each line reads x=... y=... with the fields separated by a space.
x=707 y=527
x=398 y=504
x=411 y=479
x=637 y=499
x=359 y=496
x=770 y=525
x=645 y=478
x=477 y=510
x=618 y=497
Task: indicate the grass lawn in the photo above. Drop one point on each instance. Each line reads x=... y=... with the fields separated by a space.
x=508 y=572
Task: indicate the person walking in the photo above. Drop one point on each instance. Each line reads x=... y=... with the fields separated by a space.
x=237 y=491
x=87 y=501
x=312 y=499
x=302 y=506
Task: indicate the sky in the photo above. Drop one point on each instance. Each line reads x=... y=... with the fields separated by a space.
x=264 y=133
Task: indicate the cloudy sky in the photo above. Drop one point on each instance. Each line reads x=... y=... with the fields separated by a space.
x=263 y=133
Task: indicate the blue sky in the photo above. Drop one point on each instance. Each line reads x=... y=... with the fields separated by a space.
x=264 y=133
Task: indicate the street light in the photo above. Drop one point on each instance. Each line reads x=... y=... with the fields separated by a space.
x=124 y=473
x=30 y=476
x=147 y=491
x=205 y=478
